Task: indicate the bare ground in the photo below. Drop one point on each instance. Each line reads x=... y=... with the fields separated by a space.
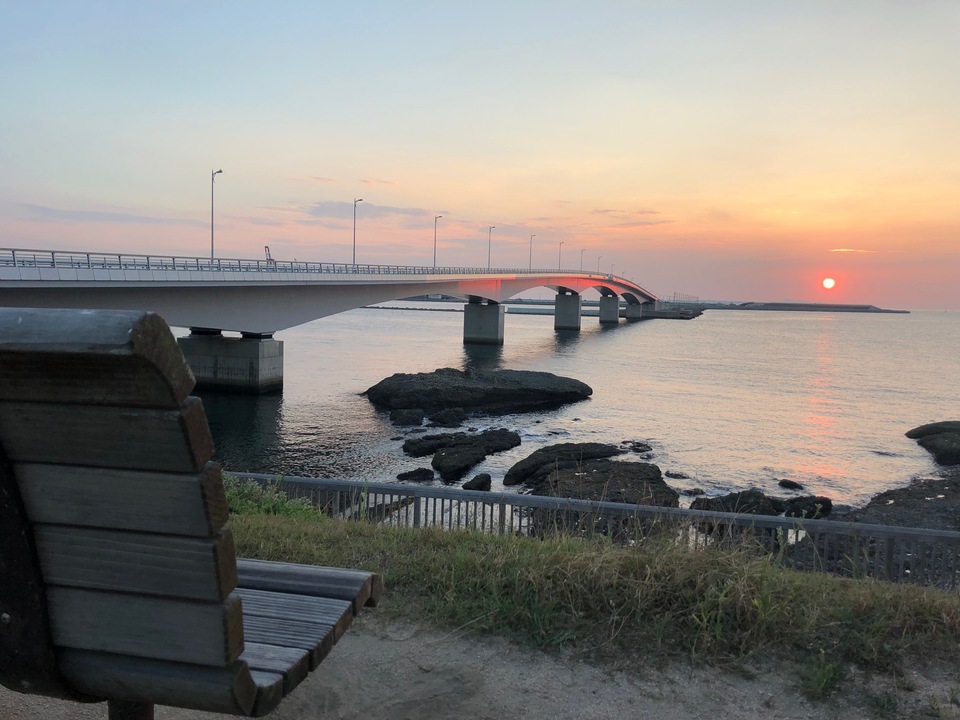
x=396 y=670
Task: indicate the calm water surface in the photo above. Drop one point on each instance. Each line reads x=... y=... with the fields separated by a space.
x=732 y=399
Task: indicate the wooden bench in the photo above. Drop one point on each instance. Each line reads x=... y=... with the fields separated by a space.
x=118 y=577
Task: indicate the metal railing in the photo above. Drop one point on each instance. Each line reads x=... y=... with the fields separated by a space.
x=897 y=554
x=10 y=257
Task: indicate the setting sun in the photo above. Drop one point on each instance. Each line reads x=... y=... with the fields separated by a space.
x=828 y=283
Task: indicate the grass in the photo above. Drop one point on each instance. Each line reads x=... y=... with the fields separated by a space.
x=622 y=602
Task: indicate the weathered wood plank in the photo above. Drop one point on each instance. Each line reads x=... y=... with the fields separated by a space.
x=292 y=663
x=225 y=689
x=314 y=637
x=285 y=606
x=140 y=563
x=175 y=504
x=105 y=357
x=160 y=628
x=357 y=586
x=269 y=692
x=130 y=438
x=27 y=659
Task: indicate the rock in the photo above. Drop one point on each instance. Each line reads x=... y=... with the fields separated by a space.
x=458 y=452
x=945 y=447
x=675 y=475
x=407 y=416
x=940 y=439
x=489 y=391
x=418 y=475
x=483 y=481
x=637 y=483
x=932 y=503
x=754 y=502
x=951 y=426
x=693 y=492
x=809 y=506
x=750 y=501
x=552 y=455
x=448 y=417
x=790 y=484
x=637 y=446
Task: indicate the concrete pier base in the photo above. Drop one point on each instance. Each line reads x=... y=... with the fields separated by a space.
x=566 y=312
x=633 y=312
x=249 y=364
x=483 y=323
x=610 y=309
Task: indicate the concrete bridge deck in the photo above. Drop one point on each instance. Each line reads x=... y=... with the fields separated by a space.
x=259 y=297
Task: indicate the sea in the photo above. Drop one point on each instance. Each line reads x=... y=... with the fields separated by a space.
x=731 y=399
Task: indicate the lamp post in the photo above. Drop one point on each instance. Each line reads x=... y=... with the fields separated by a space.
x=560 y=255
x=489 y=235
x=598 y=262
x=611 y=269
x=213 y=176
x=531 y=251
x=581 y=258
x=437 y=217
x=355 y=201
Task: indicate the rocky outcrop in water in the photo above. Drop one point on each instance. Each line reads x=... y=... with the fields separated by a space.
x=940 y=439
x=483 y=481
x=755 y=502
x=491 y=392
x=542 y=462
x=455 y=453
x=418 y=475
x=636 y=483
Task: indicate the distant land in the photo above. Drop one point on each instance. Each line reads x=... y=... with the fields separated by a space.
x=799 y=307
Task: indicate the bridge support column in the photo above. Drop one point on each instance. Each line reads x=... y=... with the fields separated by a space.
x=483 y=323
x=633 y=311
x=566 y=311
x=252 y=363
x=610 y=309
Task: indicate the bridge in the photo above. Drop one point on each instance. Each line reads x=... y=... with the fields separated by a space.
x=260 y=297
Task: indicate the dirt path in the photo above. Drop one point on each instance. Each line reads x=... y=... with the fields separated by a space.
x=388 y=670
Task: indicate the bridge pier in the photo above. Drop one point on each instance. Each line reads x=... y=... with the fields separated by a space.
x=566 y=311
x=610 y=309
x=633 y=311
x=252 y=363
x=483 y=322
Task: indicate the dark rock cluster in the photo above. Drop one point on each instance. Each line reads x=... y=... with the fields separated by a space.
x=755 y=502
x=455 y=453
x=556 y=457
x=940 y=439
x=494 y=392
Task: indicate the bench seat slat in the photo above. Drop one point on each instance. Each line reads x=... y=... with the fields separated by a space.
x=166 y=503
x=161 y=628
x=292 y=663
x=359 y=587
x=224 y=689
x=316 y=638
x=140 y=563
x=130 y=438
x=105 y=357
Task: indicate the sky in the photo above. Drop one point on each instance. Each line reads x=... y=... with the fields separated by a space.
x=721 y=149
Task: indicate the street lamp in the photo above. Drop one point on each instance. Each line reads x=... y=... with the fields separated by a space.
x=435 y=240
x=581 y=258
x=560 y=255
x=531 y=251
x=213 y=175
x=355 y=201
x=598 y=262
x=611 y=269
x=489 y=233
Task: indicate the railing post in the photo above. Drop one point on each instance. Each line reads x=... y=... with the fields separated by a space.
x=503 y=517
x=416 y=511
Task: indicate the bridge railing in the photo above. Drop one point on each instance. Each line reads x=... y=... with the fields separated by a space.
x=897 y=554
x=10 y=257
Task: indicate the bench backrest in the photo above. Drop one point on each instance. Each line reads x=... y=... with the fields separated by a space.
x=119 y=516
